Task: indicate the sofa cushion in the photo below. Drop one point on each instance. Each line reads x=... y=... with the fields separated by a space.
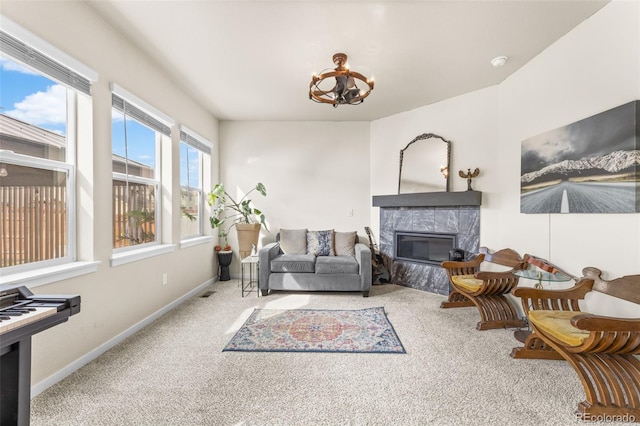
x=337 y=265
x=320 y=243
x=293 y=263
x=345 y=243
x=293 y=241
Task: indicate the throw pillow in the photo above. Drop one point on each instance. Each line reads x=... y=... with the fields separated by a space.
x=345 y=243
x=320 y=243
x=293 y=241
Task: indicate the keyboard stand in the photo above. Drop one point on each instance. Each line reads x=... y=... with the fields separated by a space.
x=15 y=369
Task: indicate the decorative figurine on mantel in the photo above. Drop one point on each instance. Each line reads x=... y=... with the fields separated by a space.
x=469 y=176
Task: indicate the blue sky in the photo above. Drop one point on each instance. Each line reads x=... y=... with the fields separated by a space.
x=193 y=179
x=140 y=140
x=30 y=97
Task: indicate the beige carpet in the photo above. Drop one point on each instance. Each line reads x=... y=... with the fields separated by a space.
x=175 y=373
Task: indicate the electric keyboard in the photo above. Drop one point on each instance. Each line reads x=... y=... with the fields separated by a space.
x=20 y=315
x=23 y=314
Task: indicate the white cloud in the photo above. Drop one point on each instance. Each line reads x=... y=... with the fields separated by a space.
x=9 y=65
x=42 y=108
x=550 y=146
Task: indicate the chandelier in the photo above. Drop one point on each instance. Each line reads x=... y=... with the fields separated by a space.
x=345 y=91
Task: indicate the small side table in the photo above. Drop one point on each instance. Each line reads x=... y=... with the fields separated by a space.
x=540 y=276
x=249 y=282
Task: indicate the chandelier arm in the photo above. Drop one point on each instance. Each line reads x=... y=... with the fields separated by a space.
x=338 y=73
x=316 y=95
x=361 y=77
x=322 y=100
x=328 y=74
x=356 y=75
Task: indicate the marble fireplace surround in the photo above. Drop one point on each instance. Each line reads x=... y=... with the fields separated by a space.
x=441 y=212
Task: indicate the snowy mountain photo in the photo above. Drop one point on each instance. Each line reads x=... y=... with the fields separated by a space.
x=590 y=166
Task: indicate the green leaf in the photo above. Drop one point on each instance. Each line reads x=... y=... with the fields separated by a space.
x=243 y=212
x=215 y=222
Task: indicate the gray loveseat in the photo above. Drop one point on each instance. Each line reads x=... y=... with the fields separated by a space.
x=305 y=260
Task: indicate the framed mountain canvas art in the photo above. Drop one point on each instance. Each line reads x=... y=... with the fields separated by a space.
x=590 y=166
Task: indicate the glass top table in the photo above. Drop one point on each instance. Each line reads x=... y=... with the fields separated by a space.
x=532 y=274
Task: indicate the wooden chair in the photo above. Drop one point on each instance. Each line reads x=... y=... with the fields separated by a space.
x=602 y=350
x=534 y=347
x=485 y=290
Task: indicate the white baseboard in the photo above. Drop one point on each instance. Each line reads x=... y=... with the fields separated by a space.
x=90 y=356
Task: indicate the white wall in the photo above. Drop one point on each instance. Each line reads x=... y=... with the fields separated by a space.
x=114 y=298
x=468 y=121
x=592 y=69
x=315 y=173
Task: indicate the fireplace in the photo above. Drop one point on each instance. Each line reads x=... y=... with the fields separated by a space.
x=434 y=214
x=423 y=247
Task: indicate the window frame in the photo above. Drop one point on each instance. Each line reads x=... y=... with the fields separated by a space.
x=24 y=48
x=155 y=182
x=203 y=147
x=161 y=124
x=70 y=208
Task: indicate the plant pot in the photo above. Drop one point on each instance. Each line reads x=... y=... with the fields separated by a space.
x=224 y=260
x=248 y=235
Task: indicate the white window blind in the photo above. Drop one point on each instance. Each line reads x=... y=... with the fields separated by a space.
x=195 y=140
x=52 y=66
x=134 y=107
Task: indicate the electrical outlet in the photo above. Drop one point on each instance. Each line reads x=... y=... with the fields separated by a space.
x=350 y=212
x=165 y=279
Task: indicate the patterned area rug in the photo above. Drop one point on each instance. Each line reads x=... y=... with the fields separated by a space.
x=317 y=330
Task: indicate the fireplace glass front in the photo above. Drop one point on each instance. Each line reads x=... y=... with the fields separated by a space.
x=423 y=247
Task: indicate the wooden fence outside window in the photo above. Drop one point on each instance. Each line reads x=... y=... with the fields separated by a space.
x=34 y=224
x=134 y=214
x=33 y=221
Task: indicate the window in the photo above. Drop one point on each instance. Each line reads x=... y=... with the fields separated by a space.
x=136 y=137
x=37 y=150
x=193 y=150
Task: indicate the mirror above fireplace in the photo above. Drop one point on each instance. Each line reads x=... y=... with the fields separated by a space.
x=425 y=164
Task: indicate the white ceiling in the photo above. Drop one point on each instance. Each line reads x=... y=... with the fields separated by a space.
x=253 y=60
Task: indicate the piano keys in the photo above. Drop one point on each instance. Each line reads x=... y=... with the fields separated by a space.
x=20 y=315
x=23 y=314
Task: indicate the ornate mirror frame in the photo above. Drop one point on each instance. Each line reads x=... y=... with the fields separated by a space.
x=444 y=164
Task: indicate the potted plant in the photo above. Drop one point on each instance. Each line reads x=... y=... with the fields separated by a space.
x=242 y=214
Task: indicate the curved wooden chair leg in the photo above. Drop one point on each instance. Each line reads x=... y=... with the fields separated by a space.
x=535 y=348
x=456 y=300
x=496 y=311
x=611 y=384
